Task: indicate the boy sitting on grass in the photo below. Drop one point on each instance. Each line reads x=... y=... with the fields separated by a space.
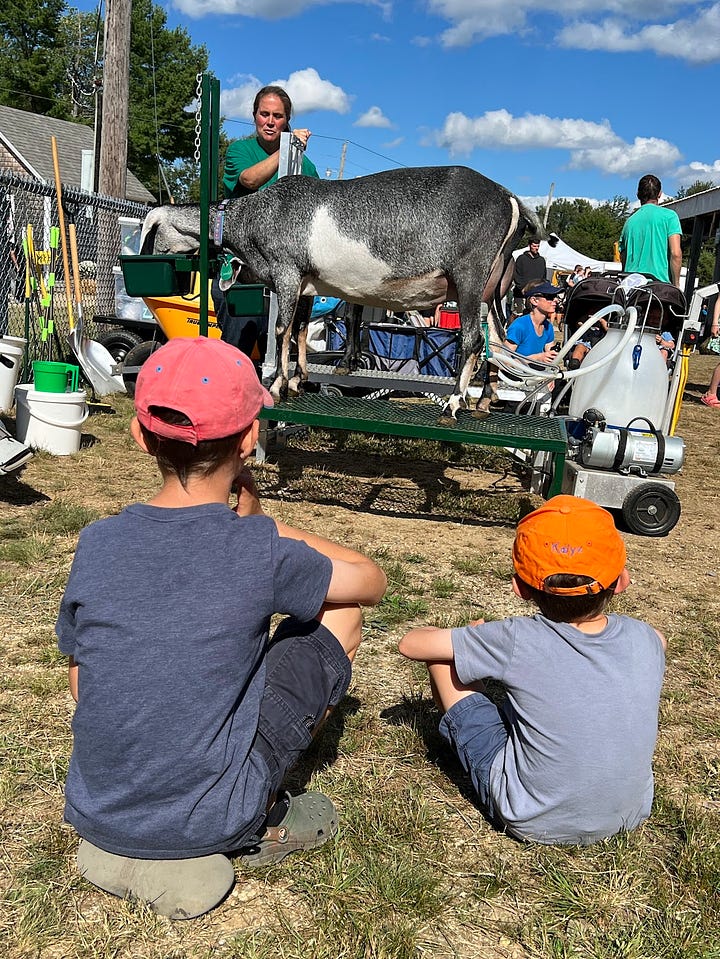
x=567 y=757
x=187 y=718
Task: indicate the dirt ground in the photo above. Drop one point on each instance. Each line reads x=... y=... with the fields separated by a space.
x=441 y=521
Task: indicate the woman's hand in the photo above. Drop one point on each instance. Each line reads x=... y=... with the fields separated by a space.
x=303 y=136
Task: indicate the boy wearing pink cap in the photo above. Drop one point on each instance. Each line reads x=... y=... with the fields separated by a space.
x=188 y=716
x=567 y=755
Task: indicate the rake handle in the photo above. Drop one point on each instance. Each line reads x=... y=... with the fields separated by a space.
x=63 y=238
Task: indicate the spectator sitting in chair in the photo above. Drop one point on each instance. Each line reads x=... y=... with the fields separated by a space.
x=532 y=335
x=592 y=335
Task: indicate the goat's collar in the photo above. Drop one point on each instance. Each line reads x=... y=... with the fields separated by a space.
x=219 y=223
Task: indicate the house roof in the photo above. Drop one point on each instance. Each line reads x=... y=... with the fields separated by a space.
x=27 y=137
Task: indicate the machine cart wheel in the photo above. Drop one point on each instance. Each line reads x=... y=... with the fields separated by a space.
x=651 y=509
x=119 y=342
x=134 y=359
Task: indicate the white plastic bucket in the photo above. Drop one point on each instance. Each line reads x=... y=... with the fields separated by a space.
x=11 y=354
x=50 y=421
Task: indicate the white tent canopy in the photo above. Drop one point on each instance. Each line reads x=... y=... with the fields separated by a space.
x=563 y=257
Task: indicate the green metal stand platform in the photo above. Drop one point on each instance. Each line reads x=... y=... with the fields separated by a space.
x=420 y=421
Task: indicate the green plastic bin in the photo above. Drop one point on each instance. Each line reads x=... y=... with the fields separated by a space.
x=248 y=299
x=158 y=275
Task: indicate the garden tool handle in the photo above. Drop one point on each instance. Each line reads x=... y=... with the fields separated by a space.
x=75 y=262
x=63 y=238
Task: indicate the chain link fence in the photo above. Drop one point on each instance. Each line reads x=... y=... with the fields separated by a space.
x=45 y=321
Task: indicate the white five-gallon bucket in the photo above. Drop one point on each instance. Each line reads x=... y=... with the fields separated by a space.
x=50 y=421
x=11 y=354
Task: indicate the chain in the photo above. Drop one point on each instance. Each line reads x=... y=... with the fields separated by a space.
x=198 y=117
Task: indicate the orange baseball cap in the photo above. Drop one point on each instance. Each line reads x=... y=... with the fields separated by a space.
x=210 y=381
x=569 y=535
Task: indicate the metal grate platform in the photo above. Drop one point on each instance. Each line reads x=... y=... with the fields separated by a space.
x=420 y=421
x=382 y=379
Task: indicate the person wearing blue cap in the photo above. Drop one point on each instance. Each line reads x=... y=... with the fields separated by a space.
x=532 y=334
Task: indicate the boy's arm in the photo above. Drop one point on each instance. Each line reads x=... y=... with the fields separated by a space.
x=663 y=641
x=428 y=644
x=73 y=678
x=355 y=578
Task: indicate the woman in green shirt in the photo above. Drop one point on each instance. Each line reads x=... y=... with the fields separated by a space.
x=251 y=164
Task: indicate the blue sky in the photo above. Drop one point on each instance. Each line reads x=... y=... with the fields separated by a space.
x=586 y=95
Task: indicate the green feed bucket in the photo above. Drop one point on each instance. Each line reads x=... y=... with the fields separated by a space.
x=55 y=377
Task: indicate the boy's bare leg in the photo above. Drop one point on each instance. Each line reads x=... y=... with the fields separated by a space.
x=345 y=623
x=446 y=686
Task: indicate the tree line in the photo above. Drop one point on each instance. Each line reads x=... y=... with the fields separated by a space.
x=51 y=61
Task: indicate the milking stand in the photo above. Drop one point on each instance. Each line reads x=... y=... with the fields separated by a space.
x=158 y=276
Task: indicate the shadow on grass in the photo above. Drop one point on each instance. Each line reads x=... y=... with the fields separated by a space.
x=16 y=493
x=323 y=751
x=390 y=484
x=422 y=716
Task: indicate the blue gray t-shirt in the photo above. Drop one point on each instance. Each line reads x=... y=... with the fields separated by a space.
x=584 y=712
x=167 y=614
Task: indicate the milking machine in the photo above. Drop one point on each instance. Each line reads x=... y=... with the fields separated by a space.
x=622 y=403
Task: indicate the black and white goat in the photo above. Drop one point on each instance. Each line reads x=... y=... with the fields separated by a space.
x=403 y=239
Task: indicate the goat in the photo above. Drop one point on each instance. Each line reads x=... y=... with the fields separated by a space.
x=402 y=239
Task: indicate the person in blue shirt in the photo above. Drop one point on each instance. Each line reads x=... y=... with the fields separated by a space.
x=532 y=335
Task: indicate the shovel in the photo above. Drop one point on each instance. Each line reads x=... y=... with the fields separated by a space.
x=95 y=361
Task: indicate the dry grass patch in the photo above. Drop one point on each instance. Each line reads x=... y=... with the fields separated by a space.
x=415 y=870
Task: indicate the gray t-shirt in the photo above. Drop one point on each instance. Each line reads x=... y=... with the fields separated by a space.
x=584 y=712
x=167 y=613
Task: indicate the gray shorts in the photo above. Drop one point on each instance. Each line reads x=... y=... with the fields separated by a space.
x=477 y=730
x=307 y=673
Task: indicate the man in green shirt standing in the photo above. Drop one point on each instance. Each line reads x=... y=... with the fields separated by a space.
x=650 y=239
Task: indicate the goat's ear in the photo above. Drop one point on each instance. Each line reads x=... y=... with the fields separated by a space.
x=226 y=282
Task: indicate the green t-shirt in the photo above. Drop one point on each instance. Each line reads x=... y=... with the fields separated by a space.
x=242 y=154
x=644 y=240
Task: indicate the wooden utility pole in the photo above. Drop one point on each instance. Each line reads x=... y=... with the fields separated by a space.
x=341 y=171
x=112 y=175
x=116 y=86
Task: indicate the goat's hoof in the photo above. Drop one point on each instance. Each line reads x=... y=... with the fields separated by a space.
x=480 y=414
x=447 y=419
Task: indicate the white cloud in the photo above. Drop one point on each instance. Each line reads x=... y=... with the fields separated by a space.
x=590 y=145
x=373 y=117
x=379 y=38
x=306 y=88
x=610 y=25
x=236 y=101
x=628 y=159
x=695 y=170
x=695 y=40
x=261 y=9
x=391 y=144
x=499 y=128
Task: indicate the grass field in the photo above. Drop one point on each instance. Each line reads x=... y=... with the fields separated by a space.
x=415 y=871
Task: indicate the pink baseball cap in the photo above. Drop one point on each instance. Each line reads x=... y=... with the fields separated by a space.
x=210 y=381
